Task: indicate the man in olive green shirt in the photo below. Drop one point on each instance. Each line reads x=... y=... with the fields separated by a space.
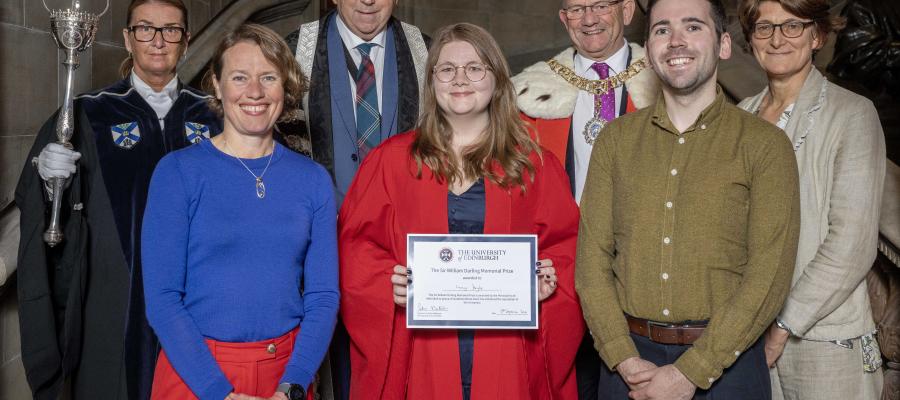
x=689 y=226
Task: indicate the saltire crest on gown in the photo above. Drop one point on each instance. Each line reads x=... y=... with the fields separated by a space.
x=126 y=135
x=195 y=132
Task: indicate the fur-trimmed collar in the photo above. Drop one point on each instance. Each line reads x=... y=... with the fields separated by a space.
x=544 y=94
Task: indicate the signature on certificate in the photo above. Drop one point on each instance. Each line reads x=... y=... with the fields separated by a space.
x=431 y=308
x=506 y=311
x=473 y=288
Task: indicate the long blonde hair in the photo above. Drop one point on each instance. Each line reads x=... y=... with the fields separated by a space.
x=505 y=143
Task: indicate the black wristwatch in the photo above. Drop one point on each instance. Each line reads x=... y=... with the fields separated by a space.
x=292 y=390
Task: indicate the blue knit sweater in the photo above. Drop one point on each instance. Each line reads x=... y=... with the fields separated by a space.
x=221 y=263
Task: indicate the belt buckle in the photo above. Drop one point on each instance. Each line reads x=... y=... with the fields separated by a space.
x=663 y=332
x=659 y=324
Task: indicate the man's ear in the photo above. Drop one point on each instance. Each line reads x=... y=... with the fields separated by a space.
x=725 y=46
x=627 y=11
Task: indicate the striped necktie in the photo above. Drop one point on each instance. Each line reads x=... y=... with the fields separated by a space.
x=368 y=119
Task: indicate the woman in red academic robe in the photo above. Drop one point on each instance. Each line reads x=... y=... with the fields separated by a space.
x=469 y=167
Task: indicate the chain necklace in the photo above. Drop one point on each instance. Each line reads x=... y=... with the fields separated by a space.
x=597 y=88
x=260 y=185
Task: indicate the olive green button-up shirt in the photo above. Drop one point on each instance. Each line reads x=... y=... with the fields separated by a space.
x=699 y=225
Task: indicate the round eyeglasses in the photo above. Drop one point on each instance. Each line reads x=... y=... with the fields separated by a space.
x=789 y=29
x=474 y=71
x=146 y=33
x=599 y=8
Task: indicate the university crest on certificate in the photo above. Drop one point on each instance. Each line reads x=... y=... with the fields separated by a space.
x=472 y=281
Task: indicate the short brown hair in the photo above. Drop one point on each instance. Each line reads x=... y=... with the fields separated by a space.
x=276 y=51
x=813 y=10
x=128 y=63
x=716 y=12
x=506 y=142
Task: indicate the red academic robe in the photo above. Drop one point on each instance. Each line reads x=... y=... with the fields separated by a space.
x=389 y=361
x=554 y=133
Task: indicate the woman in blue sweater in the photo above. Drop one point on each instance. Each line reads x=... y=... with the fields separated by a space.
x=240 y=249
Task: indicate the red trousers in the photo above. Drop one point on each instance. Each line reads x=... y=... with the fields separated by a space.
x=253 y=368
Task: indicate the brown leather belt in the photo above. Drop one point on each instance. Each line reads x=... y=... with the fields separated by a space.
x=665 y=333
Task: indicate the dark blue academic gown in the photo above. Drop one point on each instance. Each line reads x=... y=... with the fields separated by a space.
x=331 y=119
x=81 y=302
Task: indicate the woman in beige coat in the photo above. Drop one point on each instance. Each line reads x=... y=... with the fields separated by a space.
x=822 y=345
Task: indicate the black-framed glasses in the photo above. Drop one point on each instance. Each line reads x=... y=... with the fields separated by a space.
x=789 y=29
x=599 y=8
x=474 y=71
x=146 y=33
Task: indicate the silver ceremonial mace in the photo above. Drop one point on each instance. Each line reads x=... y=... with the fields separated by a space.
x=74 y=31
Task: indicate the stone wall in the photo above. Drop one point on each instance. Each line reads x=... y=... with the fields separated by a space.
x=530 y=30
x=31 y=81
x=31 y=88
x=525 y=29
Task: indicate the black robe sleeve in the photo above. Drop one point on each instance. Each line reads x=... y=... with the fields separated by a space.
x=52 y=283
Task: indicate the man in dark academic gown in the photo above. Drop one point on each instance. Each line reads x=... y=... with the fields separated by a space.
x=81 y=302
x=330 y=52
x=360 y=41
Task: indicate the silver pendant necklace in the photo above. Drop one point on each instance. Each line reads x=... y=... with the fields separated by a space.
x=260 y=185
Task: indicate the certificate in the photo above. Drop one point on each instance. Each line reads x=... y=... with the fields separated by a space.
x=472 y=281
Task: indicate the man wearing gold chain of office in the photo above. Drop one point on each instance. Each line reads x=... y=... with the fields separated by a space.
x=569 y=99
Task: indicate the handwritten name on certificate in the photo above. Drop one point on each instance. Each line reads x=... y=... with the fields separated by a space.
x=472 y=282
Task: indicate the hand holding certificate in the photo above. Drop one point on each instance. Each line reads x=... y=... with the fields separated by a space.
x=472 y=281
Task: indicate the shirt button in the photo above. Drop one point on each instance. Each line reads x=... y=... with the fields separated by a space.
x=666 y=311
x=667 y=240
x=354 y=157
x=668 y=204
x=674 y=172
x=711 y=380
x=703 y=126
x=737 y=354
x=665 y=276
x=271 y=348
x=681 y=140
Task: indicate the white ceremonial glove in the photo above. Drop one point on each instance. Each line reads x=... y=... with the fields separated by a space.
x=56 y=161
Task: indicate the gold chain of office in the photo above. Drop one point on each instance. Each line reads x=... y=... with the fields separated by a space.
x=597 y=87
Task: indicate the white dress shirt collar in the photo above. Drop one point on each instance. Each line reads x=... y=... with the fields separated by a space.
x=144 y=89
x=351 y=40
x=617 y=63
x=161 y=102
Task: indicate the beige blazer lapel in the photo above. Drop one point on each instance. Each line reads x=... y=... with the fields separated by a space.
x=809 y=103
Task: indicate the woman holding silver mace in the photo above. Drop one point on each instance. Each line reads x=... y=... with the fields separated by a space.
x=81 y=301
x=74 y=31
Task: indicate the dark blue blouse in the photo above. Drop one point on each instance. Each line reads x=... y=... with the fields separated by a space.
x=465 y=215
